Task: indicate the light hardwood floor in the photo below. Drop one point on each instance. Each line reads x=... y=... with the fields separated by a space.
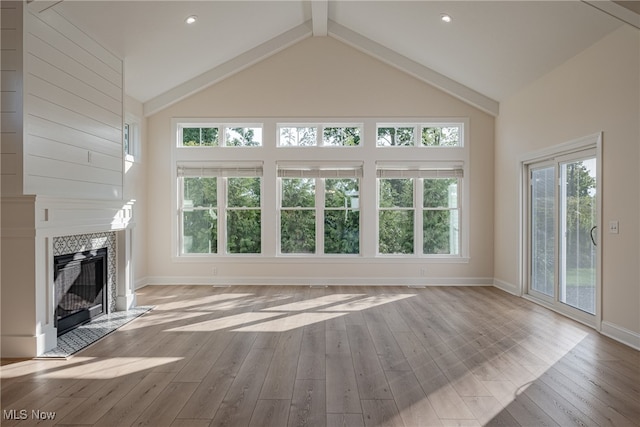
x=336 y=356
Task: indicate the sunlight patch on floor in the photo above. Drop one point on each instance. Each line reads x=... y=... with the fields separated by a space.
x=314 y=303
x=181 y=305
x=369 y=302
x=225 y=322
x=290 y=322
x=108 y=368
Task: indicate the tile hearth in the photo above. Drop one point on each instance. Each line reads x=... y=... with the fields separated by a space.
x=85 y=335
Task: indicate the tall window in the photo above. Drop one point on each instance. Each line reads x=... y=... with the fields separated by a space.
x=319 y=210
x=419 y=211
x=220 y=209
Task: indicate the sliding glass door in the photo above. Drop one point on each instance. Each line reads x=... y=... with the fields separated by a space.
x=562 y=232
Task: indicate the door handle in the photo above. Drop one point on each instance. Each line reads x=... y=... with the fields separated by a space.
x=593 y=240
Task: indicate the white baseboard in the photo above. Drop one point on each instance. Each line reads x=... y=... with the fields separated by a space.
x=333 y=281
x=623 y=335
x=507 y=287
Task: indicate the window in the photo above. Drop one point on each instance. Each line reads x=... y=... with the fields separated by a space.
x=422 y=135
x=209 y=135
x=319 y=210
x=435 y=229
x=333 y=135
x=220 y=209
x=318 y=189
x=131 y=138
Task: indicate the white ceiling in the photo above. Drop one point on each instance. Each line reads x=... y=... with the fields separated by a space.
x=491 y=47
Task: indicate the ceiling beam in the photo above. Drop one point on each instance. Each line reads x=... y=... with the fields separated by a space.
x=413 y=68
x=624 y=14
x=229 y=68
x=320 y=17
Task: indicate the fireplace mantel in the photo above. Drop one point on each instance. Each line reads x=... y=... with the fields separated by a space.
x=29 y=226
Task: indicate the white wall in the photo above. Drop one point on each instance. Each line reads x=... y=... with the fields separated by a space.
x=316 y=78
x=11 y=98
x=73 y=111
x=597 y=90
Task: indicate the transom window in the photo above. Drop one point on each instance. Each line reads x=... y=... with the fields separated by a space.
x=204 y=135
x=421 y=135
x=324 y=135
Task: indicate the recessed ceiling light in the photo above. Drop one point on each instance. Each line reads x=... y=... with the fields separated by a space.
x=445 y=18
x=191 y=19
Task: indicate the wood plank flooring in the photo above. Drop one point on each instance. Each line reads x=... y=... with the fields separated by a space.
x=338 y=356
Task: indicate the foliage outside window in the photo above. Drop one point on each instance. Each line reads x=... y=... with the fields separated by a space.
x=396 y=216
x=220 y=213
x=243 y=216
x=199 y=213
x=341 y=216
x=320 y=211
x=307 y=136
x=298 y=216
x=440 y=216
x=430 y=135
x=291 y=136
x=126 y=139
x=200 y=137
x=341 y=136
x=219 y=136
x=419 y=222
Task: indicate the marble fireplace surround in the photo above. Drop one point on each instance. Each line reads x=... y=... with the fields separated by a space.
x=35 y=229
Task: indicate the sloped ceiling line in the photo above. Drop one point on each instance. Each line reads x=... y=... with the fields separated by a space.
x=338 y=32
x=229 y=68
x=412 y=68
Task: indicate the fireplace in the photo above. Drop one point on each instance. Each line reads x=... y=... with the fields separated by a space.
x=80 y=288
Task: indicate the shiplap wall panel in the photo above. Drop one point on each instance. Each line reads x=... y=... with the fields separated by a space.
x=50 y=33
x=49 y=54
x=80 y=38
x=73 y=102
x=74 y=110
x=50 y=110
x=63 y=169
x=64 y=187
x=61 y=151
x=11 y=92
x=37 y=126
x=68 y=82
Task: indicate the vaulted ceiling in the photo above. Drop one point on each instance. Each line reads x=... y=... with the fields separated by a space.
x=487 y=52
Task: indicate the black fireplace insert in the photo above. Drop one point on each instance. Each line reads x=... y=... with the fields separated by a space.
x=80 y=288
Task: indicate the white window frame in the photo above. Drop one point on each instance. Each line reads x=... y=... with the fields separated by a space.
x=367 y=154
x=222 y=134
x=320 y=127
x=318 y=172
x=222 y=172
x=134 y=153
x=418 y=174
x=417 y=133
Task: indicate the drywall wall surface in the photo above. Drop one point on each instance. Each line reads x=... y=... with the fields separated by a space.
x=319 y=78
x=596 y=91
